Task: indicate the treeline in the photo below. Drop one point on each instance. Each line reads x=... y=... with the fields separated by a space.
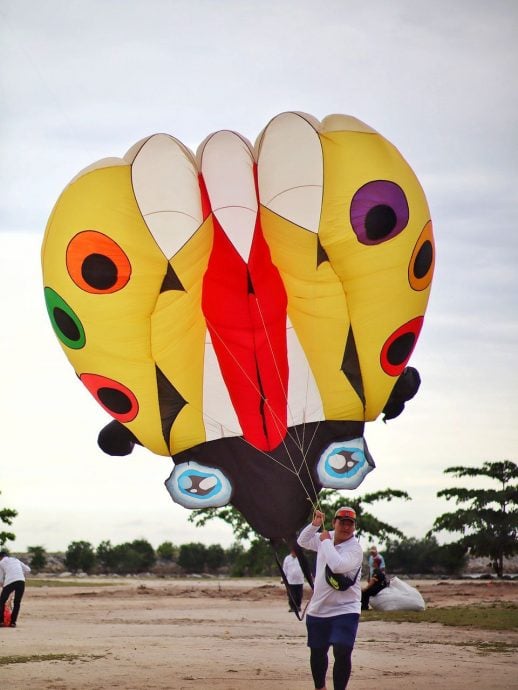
x=404 y=556
x=139 y=556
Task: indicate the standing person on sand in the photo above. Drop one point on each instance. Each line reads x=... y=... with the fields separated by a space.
x=12 y=578
x=295 y=577
x=334 y=610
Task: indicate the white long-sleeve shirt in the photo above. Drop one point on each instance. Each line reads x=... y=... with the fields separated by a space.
x=12 y=570
x=292 y=570
x=344 y=558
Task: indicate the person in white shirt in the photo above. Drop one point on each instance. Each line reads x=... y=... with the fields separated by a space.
x=295 y=577
x=334 y=610
x=12 y=578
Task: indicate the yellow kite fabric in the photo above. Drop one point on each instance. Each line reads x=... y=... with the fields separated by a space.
x=246 y=309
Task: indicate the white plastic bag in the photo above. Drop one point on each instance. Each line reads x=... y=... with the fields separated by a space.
x=398 y=596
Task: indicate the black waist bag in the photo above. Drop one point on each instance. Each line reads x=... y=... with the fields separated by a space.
x=338 y=581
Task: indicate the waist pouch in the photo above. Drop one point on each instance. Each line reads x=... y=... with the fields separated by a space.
x=340 y=582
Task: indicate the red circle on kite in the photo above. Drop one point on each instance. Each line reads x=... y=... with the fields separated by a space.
x=399 y=346
x=116 y=398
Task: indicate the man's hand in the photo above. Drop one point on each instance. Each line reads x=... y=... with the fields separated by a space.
x=318 y=518
x=324 y=535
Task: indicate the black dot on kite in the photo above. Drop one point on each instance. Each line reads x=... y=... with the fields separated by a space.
x=380 y=221
x=115 y=400
x=420 y=269
x=99 y=271
x=66 y=324
x=400 y=349
x=423 y=260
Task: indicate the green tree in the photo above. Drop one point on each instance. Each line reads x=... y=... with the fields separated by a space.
x=167 y=551
x=38 y=559
x=419 y=556
x=214 y=557
x=257 y=560
x=146 y=553
x=366 y=523
x=192 y=557
x=329 y=501
x=80 y=555
x=7 y=516
x=489 y=519
x=229 y=515
x=133 y=557
x=106 y=557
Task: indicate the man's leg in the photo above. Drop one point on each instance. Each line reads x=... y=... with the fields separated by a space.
x=318 y=662
x=4 y=596
x=365 y=599
x=342 y=666
x=19 y=589
x=298 y=595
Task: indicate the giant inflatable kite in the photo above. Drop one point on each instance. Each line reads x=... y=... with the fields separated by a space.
x=245 y=310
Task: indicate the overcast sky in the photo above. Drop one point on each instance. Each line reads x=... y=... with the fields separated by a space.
x=83 y=80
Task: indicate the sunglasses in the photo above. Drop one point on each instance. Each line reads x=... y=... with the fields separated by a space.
x=343 y=520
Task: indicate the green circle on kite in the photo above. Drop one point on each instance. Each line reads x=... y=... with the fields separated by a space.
x=65 y=322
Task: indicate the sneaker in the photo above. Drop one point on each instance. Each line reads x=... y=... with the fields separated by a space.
x=12 y=625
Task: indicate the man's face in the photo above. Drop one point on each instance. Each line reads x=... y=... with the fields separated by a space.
x=344 y=529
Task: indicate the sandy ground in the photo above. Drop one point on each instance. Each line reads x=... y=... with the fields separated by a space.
x=238 y=635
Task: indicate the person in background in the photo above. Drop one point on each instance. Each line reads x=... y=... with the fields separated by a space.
x=373 y=553
x=334 y=610
x=12 y=578
x=295 y=577
x=376 y=583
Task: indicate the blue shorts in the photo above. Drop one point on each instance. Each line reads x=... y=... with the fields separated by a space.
x=324 y=632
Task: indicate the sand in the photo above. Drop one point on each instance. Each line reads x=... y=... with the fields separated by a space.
x=192 y=634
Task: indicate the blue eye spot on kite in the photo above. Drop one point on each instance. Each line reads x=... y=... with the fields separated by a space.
x=344 y=465
x=96 y=263
x=197 y=486
x=65 y=322
x=422 y=262
x=379 y=212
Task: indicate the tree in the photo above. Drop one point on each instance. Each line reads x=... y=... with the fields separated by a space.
x=106 y=557
x=419 y=556
x=230 y=516
x=7 y=516
x=258 y=560
x=80 y=555
x=38 y=557
x=133 y=557
x=366 y=523
x=214 y=557
x=167 y=551
x=192 y=557
x=489 y=520
x=329 y=501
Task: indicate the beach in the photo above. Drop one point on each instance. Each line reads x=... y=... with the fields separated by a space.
x=194 y=634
